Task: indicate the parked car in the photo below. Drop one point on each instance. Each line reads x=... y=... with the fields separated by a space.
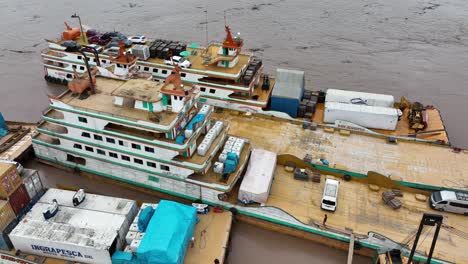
x=137 y=39
x=71 y=45
x=94 y=39
x=114 y=51
x=114 y=42
x=91 y=32
x=96 y=47
x=450 y=201
x=177 y=60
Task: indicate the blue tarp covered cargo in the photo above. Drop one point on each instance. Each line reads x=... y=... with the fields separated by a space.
x=168 y=234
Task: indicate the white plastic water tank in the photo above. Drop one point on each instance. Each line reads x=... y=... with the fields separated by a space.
x=188 y=133
x=131 y=235
x=239 y=145
x=236 y=149
x=229 y=144
x=139 y=235
x=353 y=97
x=202 y=149
x=222 y=157
x=134 y=228
x=218 y=167
x=135 y=244
x=363 y=115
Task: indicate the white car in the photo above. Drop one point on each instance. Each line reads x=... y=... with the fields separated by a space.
x=114 y=51
x=176 y=60
x=137 y=39
x=95 y=46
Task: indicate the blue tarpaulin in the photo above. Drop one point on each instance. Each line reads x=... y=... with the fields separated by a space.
x=196 y=119
x=3 y=127
x=168 y=234
x=144 y=218
x=121 y=257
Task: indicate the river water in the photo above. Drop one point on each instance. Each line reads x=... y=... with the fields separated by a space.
x=415 y=48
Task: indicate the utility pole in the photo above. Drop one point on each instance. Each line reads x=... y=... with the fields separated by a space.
x=81 y=27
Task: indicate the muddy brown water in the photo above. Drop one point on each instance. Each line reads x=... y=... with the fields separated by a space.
x=415 y=48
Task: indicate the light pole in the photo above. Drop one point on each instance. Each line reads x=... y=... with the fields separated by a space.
x=81 y=27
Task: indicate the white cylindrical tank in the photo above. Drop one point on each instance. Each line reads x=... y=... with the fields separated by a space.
x=363 y=115
x=352 y=97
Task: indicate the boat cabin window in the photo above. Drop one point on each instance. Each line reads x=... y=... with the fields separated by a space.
x=98 y=137
x=212 y=91
x=113 y=155
x=203 y=89
x=100 y=152
x=82 y=68
x=146 y=69
x=121 y=143
x=79 y=57
x=136 y=146
x=69 y=76
x=164 y=167
x=82 y=119
x=104 y=61
x=151 y=164
x=183 y=74
x=164 y=71
x=138 y=161
x=77 y=146
x=77 y=160
x=86 y=134
x=74 y=66
x=126 y=158
x=118 y=65
x=155 y=70
x=90 y=149
x=110 y=140
x=149 y=149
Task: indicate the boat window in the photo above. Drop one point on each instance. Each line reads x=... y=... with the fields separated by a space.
x=86 y=134
x=90 y=149
x=136 y=146
x=104 y=61
x=149 y=149
x=155 y=70
x=110 y=140
x=203 y=89
x=164 y=71
x=460 y=205
x=98 y=137
x=82 y=68
x=121 y=143
x=113 y=155
x=126 y=158
x=183 y=74
x=77 y=146
x=74 y=66
x=164 y=167
x=79 y=57
x=138 y=161
x=69 y=76
x=100 y=152
x=212 y=91
x=82 y=119
x=118 y=65
x=328 y=202
x=88 y=59
x=146 y=68
x=151 y=164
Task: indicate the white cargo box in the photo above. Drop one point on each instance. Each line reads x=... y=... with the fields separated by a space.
x=218 y=167
x=229 y=144
x=131 y=235
x=236 y=149
x=134 y=227
x=202 y=149
x=188 y=133
x=222 y=157
x=256 y=184
x=139 y=236
x=239 y=145
x=227 y=149
x=141 y=51
x=352 y=97
x=205 y=109
x=363 y=115
x=134 y=245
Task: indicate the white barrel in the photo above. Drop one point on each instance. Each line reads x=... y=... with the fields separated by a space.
x=352 y=97
x=218 y=167
x=222 y=157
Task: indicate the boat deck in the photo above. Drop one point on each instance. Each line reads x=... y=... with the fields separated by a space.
x=434 y=124
x=103 y=101
x=14 y=144
x=363 y=210
x=211 y=238
x=416 y=164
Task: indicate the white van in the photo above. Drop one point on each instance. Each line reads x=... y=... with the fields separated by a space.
x=330 y=195
x=449 y=201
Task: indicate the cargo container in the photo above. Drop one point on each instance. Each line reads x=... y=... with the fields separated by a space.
x=363 y=115
x=9 y=179
x=5 y=242
x=88 y=233
x=19 y=199
x=288 y=91
x=352 y=97
x=33 y=183
x=141 y=51
x=6 y=214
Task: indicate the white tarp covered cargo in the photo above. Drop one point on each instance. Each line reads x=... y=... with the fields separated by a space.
x=86 y=233
x=352 y=97
x=363 y=115
x=256 y=184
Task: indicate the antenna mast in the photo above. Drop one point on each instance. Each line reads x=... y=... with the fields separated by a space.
x=206 y=21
